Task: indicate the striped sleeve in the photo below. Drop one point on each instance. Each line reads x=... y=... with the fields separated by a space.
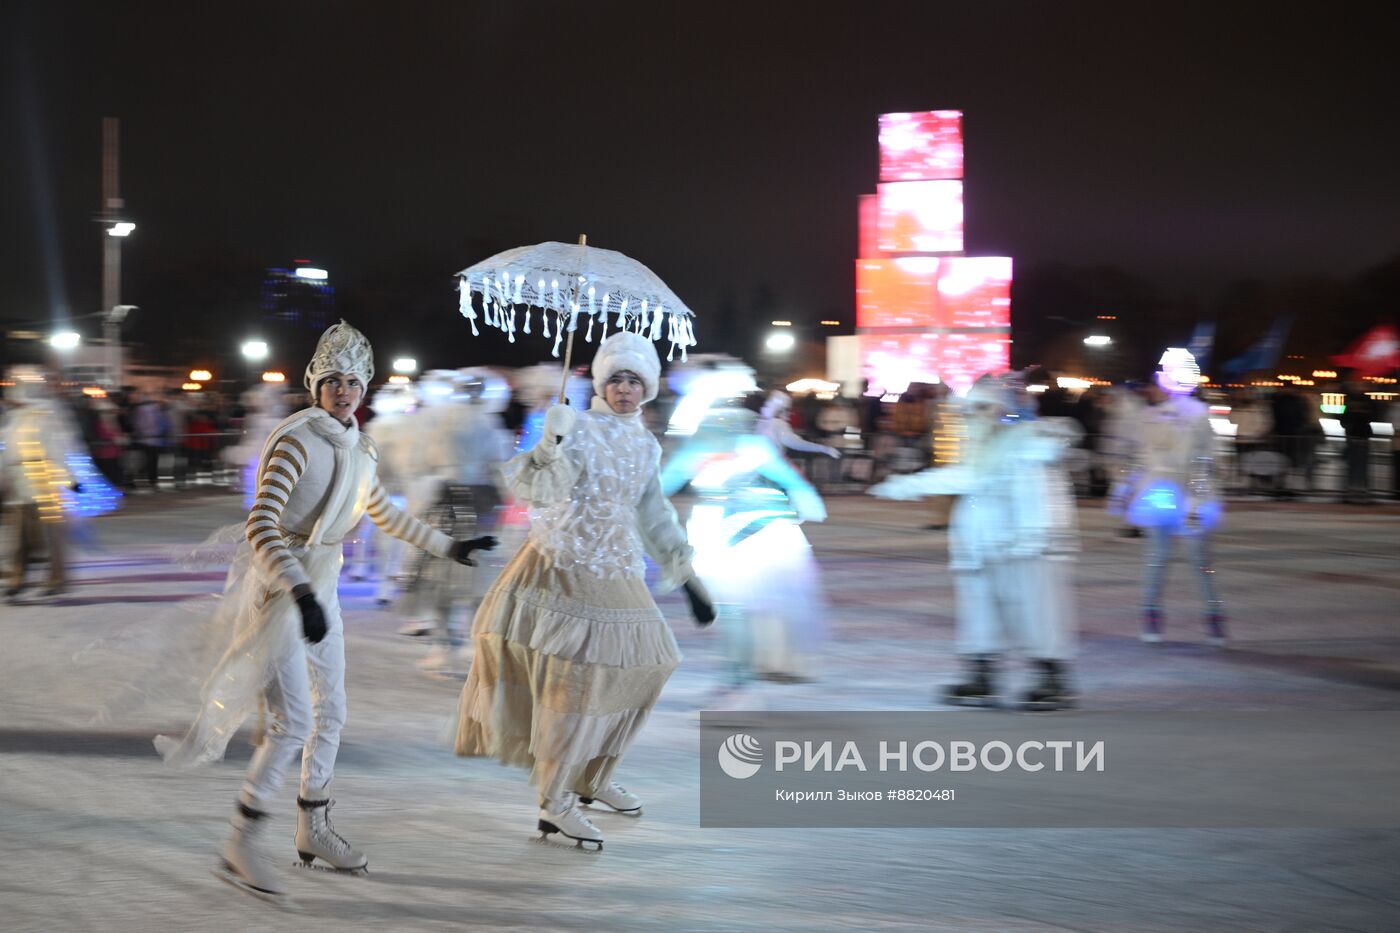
x=278 y=477
x=399 y=524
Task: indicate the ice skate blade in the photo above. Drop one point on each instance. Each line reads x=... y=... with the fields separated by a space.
x=231 y=878
x=1151 y=638
x=311 y=863
x=547 y=829
x=443 y=675
x=988 y=702
x=1049 y=706
x=589 y=801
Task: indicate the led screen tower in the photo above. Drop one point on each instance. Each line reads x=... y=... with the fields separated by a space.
x=924 y=311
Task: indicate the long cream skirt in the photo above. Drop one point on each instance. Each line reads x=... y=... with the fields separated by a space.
x=566 y=668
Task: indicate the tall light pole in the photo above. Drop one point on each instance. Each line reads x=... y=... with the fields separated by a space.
x=116 y=229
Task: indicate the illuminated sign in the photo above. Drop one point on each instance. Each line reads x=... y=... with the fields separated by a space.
x=921 y=146
x=934 y=291
x=920 y=217
x=897 y=292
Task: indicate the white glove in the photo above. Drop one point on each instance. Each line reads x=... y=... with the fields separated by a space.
x=896 y=487
x=833 y=453
x=559 y=421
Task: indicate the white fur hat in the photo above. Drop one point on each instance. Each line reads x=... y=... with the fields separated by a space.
x=341 y=349
x=626 y=350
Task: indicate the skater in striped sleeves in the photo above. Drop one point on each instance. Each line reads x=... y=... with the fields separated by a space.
x=316 y=479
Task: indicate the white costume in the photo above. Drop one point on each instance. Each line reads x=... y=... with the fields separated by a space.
x=317 y=479
x=1012 y=537
x=264 y=407
x=571 y=651
x=462 y=454
x=773 y=424
x=379 y=557
x=749 y=547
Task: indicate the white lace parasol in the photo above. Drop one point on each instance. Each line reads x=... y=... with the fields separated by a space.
x=561 y=283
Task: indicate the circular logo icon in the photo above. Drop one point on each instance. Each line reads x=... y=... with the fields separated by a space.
x=740 y=756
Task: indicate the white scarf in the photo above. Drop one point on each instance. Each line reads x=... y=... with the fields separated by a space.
x=343 y=438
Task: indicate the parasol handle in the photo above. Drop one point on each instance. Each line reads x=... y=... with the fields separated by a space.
x=573 y=325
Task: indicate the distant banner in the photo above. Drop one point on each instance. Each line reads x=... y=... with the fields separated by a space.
x=1290 y=769
x=1264 y=354
x=1376 y=353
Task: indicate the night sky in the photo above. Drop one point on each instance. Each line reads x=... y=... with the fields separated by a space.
x=724 y=144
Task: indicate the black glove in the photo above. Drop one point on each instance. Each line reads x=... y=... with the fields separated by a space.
x=462 y=550
x=77 y=489
x=313 y=619
x=700 y=605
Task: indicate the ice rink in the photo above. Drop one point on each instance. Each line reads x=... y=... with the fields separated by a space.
x=96 y=834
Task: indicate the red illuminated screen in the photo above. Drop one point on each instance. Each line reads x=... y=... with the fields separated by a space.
x=869 y=226
x=974 y=291
x=921 y=217
x=892 y=362
x=947 y=291
x=921 y=146
x=897 y=292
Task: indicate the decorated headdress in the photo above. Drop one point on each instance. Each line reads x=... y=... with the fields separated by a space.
x=341 y=349
x=626 y=350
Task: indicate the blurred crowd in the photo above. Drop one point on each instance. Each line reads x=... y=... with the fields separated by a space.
x=1274 y=440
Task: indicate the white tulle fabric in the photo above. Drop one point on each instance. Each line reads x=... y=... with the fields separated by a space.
x=259 y=625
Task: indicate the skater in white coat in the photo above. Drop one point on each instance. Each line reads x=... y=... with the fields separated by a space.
x=773 y=424
x=317 y=478
x=1012 y=538
x=571 y=651
x=464 y=454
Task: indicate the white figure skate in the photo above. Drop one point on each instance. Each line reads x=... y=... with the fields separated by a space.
x=244 y=864
x=617 y=797
x=566 y=818
x=317 y=839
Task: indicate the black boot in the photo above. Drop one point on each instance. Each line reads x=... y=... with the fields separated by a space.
x=1053 y=692
x=980 y=687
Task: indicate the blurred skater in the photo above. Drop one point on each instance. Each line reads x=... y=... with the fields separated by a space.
x=749 y=547
x=1170 y=490
x=1012 y=539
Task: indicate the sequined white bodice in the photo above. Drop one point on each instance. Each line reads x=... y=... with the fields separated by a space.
x=596 y=528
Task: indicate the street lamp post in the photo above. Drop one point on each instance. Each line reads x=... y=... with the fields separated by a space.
x=117 y=230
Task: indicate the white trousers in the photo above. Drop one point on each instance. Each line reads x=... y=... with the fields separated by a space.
x=1025 y=605
x=305 y=708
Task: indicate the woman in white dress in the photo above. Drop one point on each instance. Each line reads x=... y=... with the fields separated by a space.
x=571 y=651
